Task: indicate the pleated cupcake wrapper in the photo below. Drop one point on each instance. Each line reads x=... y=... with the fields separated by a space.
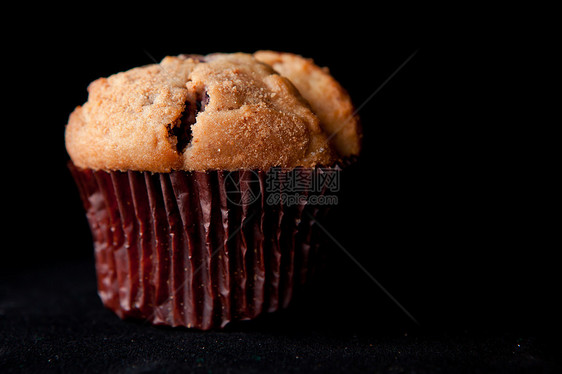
x=176 y=249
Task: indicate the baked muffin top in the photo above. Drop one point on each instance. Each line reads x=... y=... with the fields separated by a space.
x=190 y=112
x=327 y=98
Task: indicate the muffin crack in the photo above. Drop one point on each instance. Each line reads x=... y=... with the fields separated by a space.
x=180 y=132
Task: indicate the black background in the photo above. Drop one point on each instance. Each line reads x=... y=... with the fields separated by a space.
x=446 y=208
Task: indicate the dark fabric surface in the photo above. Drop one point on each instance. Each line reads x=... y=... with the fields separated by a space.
x=51 y=320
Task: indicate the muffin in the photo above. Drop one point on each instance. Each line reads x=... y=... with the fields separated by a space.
x=178 y=165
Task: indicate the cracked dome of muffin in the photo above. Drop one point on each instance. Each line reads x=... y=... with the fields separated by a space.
x=189 y=112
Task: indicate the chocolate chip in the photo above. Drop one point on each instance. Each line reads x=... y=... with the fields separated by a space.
x=182 y=133
x=202 y=102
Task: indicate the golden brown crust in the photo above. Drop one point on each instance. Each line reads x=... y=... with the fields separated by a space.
x=254 y=119
x=122 y=126
x=328 y=99
x=222 y=111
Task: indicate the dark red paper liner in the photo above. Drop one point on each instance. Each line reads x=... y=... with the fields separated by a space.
x=176 y=249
